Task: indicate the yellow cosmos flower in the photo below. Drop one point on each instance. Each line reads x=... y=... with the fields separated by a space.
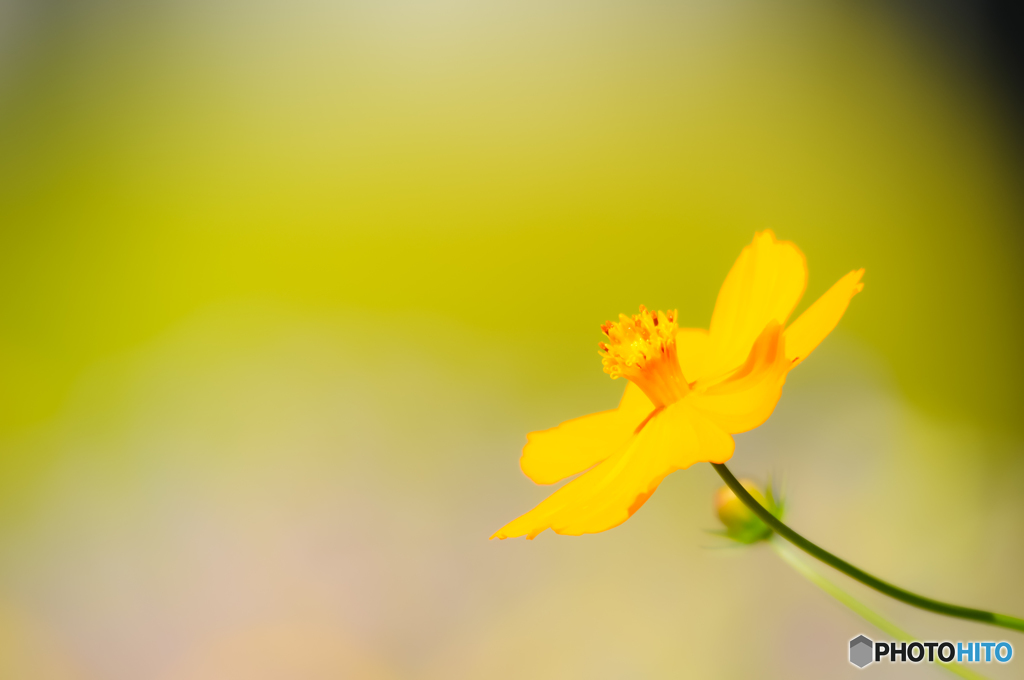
x=689 y=390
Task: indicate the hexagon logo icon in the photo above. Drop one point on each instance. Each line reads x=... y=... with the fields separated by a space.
x=861 y=651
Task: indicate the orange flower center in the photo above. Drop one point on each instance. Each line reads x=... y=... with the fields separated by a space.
x=642 y=349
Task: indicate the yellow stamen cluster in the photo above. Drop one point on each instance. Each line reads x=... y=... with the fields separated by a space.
x=642 y=348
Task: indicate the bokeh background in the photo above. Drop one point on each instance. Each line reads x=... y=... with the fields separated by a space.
x=283 y=285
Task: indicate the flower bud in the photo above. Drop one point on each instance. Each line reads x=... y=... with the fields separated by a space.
x=740 y=521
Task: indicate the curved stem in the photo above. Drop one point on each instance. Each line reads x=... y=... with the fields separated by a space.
x=789 y=556
x=867 y=579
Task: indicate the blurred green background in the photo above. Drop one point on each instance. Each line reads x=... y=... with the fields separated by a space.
x=283 y=285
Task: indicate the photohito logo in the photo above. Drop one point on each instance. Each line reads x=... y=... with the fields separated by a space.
x=864 y=650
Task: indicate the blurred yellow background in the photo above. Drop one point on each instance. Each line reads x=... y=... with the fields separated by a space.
x=283 y=285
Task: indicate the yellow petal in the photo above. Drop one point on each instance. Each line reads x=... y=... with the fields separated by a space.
x=604 y=497
x=692 y=348
x=765 y=284
x=748 y=396
x=575 y=445
x=819 y=319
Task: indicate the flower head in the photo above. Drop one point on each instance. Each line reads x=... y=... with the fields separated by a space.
x=689 y=390
x=642 y=348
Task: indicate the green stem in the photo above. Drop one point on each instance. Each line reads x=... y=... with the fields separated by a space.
x=859 y=608
x=867 y=579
